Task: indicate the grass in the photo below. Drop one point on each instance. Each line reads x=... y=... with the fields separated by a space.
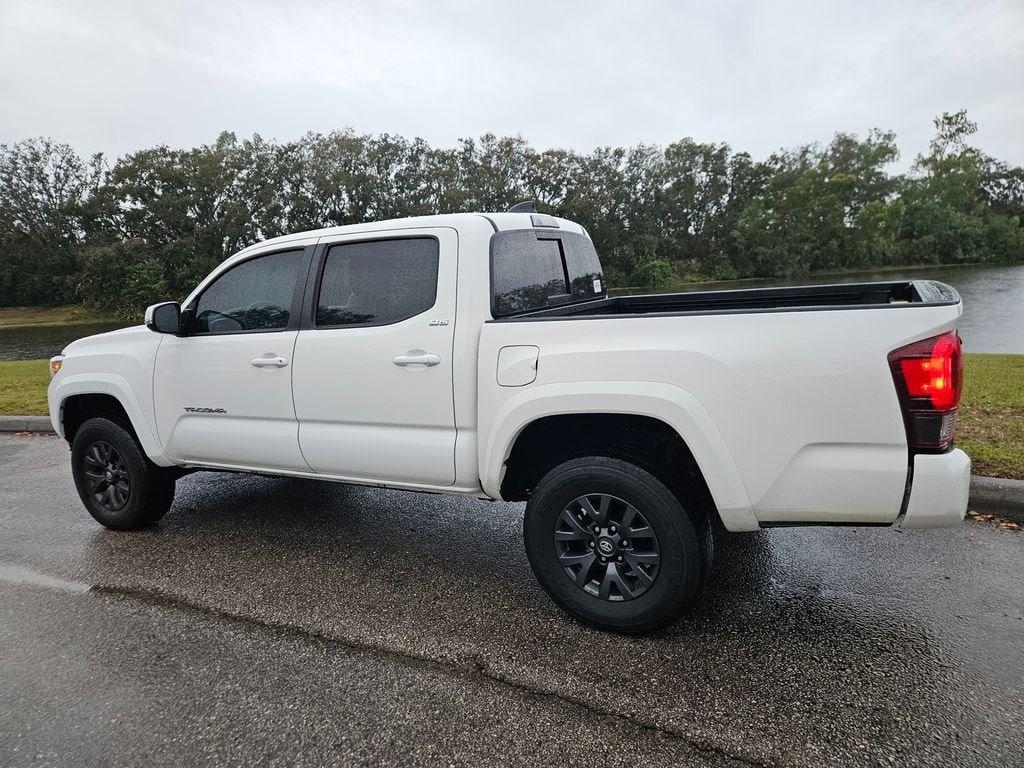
x=15 y=317
x=991 y=426
x=991 y=414
x=23 y=386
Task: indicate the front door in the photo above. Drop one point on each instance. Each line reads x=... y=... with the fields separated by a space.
x=373 y=363
x=223 y=391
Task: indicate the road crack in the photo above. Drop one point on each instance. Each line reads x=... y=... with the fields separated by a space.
x=474 y=669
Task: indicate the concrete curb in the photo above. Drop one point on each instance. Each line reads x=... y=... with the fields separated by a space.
x=25 y=424
x=995 y=495
x=998 y=496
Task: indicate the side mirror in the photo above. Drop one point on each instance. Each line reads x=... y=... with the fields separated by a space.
x=164 y=318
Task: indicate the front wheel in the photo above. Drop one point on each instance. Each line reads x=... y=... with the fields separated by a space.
x=120 y=488
x=613 y=546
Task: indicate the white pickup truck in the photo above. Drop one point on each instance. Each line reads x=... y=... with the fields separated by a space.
x=480 y=354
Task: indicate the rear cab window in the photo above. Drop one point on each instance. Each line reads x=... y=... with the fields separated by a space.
x=536 y=268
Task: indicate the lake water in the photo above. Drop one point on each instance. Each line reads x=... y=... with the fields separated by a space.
x=993 y=318
x=36 y=341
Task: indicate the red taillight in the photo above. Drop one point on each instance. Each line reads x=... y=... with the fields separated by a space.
x=929 y=376
x=933 y=369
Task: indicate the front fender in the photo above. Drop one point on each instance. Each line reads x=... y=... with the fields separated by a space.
x=668 y=403
x=63 y=387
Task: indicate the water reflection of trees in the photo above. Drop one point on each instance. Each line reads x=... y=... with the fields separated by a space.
x=341 y=316
x=527 y=297
x=259 y=317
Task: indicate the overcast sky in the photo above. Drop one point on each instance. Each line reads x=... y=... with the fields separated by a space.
x=119 y=76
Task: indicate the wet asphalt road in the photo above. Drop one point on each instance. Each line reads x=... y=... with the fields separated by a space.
x=285 y=622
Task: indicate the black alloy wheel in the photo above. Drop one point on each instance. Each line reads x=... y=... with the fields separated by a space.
x=614 y=546
x=106 y=476
x=607 y=547
x=119 y=486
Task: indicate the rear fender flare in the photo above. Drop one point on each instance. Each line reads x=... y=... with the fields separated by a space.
x=668 y=403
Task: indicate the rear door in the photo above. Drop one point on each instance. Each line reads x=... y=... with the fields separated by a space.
x=373 y=360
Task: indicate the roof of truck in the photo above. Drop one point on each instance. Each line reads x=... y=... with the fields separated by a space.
x=498 y=221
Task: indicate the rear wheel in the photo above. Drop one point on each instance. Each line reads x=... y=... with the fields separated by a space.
x=613 y=546
x=119 y=486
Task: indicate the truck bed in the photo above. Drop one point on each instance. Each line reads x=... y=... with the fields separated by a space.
x=747 y=300
x=793 y=385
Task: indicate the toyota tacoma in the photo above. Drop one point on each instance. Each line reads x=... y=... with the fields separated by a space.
x=482 y=355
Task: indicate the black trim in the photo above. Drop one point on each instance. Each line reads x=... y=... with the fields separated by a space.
x=311 y=254
x=811 y=298
x=316 y=275
x=489 y=220
x=311 y=292
x=188 y=312
x=906 y=491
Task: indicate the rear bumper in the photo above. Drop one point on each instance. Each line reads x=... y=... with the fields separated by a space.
x=938 y=492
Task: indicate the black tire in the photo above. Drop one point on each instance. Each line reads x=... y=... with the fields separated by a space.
x=119 y=486
x=628 y=594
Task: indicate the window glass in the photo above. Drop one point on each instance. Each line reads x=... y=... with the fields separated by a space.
x=378 y=282
x=254 y=296
x=585 y=275
x=531 y=270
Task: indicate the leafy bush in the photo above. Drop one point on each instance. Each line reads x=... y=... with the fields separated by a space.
x=656 y=274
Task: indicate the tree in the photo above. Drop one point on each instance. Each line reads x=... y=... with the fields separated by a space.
x=821 y=209
x=157 y=221
x=44 y=187
x=949 y=216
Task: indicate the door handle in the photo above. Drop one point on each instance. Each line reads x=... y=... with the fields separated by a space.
x=269 y=362
x=416 y=357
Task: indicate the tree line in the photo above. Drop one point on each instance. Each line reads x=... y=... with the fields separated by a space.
x=150 y=225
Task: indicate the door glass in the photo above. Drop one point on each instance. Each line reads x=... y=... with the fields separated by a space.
x=378 y=282
x=254 y=296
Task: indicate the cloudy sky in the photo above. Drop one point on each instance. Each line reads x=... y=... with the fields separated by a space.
x=117 y=76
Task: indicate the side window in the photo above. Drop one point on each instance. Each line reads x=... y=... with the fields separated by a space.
x=377 y=282
x=527 y=272
x=532 y=270
x=254 y=296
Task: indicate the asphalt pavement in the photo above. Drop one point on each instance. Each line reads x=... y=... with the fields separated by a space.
x=285 y=622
